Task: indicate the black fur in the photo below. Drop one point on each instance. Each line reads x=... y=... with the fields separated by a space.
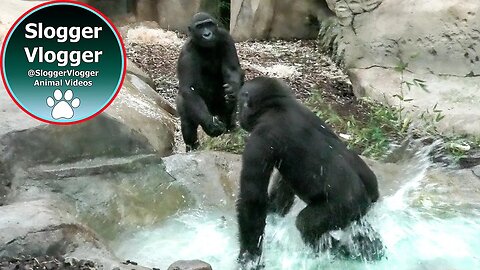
x=209 y=77
x=335 y=183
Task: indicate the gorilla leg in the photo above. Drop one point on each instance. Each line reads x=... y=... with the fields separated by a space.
x=366 y=244
x=280 y=195
x=315 y=220
x=228 y=115
x=189 y=133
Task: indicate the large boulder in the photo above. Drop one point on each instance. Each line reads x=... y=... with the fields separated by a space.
x=421 y=55
x=110 y=194
x=177 y=14
x=134 y=124
x=190 y=265
x=49 y=227
x=211 y=177
x=276 y=18
x=140 y=108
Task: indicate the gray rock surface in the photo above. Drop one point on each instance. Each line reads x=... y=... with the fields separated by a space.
x=419 y=55
x=44 y=227
x=110 y=195
x=175 y=14
x=49 y=227
x=254 y=19
x=190 y=265
x=211 y=177
x=140 y=108
x=12 y=9
x=214 y=177
x=133 y=124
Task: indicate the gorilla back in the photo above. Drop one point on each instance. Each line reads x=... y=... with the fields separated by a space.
x=334 y=182
x=209 y=77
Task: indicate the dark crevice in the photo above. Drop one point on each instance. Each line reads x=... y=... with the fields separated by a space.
x=224 y=11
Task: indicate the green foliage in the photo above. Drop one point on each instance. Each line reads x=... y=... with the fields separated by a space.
x=367 y=127
x=233 y=142
x=370 y=132
x=418 y=83
x=401 y=66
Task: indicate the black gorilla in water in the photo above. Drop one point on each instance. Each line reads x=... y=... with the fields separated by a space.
x=209 y=77
x=334 y=182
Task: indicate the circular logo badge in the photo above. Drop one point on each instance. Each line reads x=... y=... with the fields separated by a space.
x=63 y=62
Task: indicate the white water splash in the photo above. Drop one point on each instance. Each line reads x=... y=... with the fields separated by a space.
x=416 y=239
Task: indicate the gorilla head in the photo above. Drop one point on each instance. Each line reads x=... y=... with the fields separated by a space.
x=259 y=95
x=203 y=30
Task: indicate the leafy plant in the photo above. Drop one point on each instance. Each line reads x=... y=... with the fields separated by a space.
x=417 y=82
x=370 y=133
x=233 y=142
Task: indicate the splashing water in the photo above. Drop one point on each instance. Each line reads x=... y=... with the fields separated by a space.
x=416 y=238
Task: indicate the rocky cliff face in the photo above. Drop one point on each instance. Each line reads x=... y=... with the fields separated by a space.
x=419 y=55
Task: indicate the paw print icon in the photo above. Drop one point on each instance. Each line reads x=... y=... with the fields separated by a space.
x=63 y=105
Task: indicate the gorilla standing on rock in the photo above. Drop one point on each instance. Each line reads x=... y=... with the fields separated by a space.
x=314 y=164
x=209 y=77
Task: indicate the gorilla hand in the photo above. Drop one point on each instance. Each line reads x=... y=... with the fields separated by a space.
x=215 y=127
x=230 y=95
x=248 y=261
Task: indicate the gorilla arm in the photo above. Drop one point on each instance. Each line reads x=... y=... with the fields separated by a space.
x=192 y=104
x=257 y=165
x=231 y=70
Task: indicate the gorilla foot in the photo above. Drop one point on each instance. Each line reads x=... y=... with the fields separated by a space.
x=250 y=262
x=231 y=128
x=215 y=128
x=361 y=246
x=191 y=147
x=364 y=245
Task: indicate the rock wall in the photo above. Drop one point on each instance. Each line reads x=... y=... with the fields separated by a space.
x=255 y=19
x=421 y=55
x=248 y=18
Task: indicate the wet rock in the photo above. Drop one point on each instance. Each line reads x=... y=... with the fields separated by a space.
x=132 y=125
x=441 y=189
x=470 y=161
x=110 y=194
x=190 y=265
x=210 y=177
x=45 y=226
x=45 y=262
x=476 y=171
x=137 y=107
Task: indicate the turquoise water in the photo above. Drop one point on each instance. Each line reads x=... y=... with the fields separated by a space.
x=418 y=236
x=414 y=240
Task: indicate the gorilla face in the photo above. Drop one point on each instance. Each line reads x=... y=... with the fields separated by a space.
x=257 y=96
x=204 y=30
